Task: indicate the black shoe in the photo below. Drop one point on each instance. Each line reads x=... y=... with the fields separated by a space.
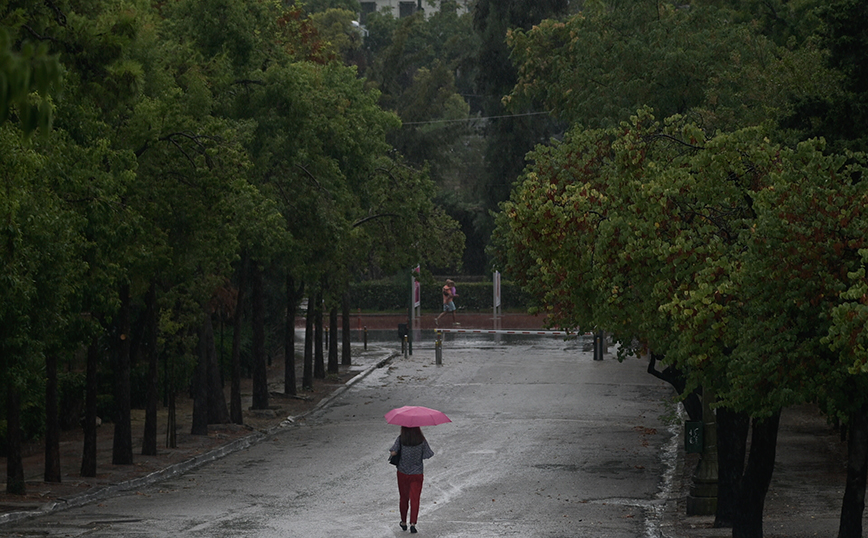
x=412 y=529
x=403 y=526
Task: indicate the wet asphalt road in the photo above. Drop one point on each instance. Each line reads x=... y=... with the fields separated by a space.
x=545 y=442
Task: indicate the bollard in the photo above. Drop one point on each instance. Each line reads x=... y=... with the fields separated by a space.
x=365 y=337
x=438 y=350
x=598 y=346
x=402 y=336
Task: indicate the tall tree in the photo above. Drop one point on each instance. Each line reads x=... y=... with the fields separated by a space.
x=672 y=227
x=260 y=360
x=122 y=445
x=510 y=134
x=837 y=111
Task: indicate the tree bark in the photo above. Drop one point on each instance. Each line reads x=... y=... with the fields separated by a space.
x=122 y=447
x=52 y=422
x=732 y=430
x=236 y=413
x=748 y=522
x=260 y=371
x=346 y=356
x=14 y=463
x=692 y=402
x=171 y=422
x=292 y=295
x=318 y=357
x=853 y=505
x=217 y=411
x=307 y=374
x=200 y=388
x=333 y=341
x=88 y=456
x=149 y=439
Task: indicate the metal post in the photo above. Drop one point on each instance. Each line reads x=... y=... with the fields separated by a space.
x=702 y=500
x=365 y=337
x=598 y=346
x=410 y=308
x=405 y=347
x=438 y=349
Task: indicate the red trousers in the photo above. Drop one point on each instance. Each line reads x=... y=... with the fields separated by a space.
x=410 y=489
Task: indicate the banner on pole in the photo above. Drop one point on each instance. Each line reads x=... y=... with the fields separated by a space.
x=496 y=289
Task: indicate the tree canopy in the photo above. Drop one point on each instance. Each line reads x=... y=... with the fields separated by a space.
x=178 y=141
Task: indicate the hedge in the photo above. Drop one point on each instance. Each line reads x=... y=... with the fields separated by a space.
x=391 y=295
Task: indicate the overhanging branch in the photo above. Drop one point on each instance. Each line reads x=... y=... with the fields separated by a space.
x=372 y=217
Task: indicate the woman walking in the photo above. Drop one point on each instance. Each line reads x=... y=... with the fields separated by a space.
x=413 y=448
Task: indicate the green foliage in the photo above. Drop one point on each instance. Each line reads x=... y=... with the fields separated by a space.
x=837 y=111
x=335 y=27
x=508 y=139
x=725 y=254
x=603 y=65
x=27 y=76
x=187 y=134
x=318 y=6
x=424 y=69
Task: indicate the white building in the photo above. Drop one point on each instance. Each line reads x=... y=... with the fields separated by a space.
x=405 y=8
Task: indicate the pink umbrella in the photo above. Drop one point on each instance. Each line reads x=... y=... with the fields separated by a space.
x=413 y=416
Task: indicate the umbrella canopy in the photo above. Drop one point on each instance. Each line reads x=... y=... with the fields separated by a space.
x=414 y=416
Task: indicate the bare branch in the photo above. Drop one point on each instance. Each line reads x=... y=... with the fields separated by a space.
x=372 y=217
x=58 y=14
x=313 y=178
x=39 y=37
x=672 y=138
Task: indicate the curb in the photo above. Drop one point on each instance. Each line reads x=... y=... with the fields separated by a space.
x=383 y=358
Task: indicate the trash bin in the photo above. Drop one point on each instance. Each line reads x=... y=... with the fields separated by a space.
x=402 y=331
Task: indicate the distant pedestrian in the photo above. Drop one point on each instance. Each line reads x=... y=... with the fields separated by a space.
x=413 y=447
x=449 y=295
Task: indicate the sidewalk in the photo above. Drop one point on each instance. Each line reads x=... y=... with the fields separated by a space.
x=807 y=487
x=192 y=451
x=195 y=450
x=804 y=498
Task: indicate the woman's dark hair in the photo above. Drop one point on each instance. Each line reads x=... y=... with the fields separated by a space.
x=411 y=436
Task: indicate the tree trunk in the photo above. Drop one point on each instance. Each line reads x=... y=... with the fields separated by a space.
x=333 y=340
x=14 y=463
x=748 y=522
x=307 y=375
x=260 y=370
x=88 y=456
x=289 y=381
x=346 y=357
x=732 y=430
x=853 y=504
x=318 y=357
x=692 y=401
x=200 y=387
x=217 y=412
x=52 y=421
x=122 y=447
x=171 y=423
x=149 y=439
x=236 y=413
